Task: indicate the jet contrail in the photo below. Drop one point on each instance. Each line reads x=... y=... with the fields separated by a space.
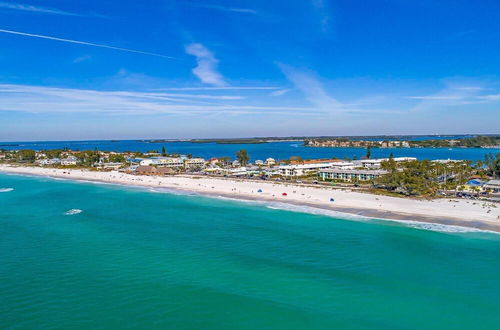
x=85 y=43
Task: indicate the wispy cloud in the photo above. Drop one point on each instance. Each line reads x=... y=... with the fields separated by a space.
x=222 y=8
x=312 y=89
x=82 y=58
x=453 y=94
x=39 y=9
x=321 y=9
x=36 y=99
x=31 y=35
x=206 y=70
x=220 y=88
x=279 y=92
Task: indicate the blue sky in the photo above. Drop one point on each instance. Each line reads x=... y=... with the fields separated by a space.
x=212 y=68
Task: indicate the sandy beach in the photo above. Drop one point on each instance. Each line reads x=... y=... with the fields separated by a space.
x=457 y=212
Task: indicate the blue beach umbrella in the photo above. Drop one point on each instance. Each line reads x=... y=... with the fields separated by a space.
x=332 y=200
x=260 y=190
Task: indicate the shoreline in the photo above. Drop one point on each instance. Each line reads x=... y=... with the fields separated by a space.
x=448 y=212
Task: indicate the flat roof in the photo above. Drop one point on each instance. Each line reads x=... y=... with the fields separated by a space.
x=332 y=170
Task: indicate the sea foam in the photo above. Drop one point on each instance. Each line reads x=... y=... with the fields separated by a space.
x=73 y=212
x=6 y=189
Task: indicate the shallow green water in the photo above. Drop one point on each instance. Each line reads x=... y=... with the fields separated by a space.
x=139 y=259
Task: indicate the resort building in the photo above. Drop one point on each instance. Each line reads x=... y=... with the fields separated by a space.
x=194 y=163
x=302 y=169
x=349 y=175
x=163 y=162
x=376 y=163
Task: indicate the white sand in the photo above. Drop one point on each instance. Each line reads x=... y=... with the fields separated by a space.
x=467 y=212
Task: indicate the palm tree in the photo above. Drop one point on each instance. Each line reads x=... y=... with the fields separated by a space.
x=242 y=157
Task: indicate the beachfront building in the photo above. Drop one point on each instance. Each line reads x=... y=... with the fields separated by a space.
x=69 y=161
x=259 y=162
x=108 y=165
x=172 y=162
x=349 y=175
x=191 y=163
x=302 y=169
x=377 y=163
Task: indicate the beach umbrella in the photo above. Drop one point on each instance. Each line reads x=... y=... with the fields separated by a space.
x=283 y=194
x=332 y=200
x=260 y=190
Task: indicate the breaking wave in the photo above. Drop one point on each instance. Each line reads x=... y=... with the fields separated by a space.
x=6 y=189
x=73 y=212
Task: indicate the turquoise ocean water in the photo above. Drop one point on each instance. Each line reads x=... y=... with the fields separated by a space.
x=134 y=258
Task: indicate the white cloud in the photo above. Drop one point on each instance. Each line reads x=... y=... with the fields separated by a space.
x=39 y=9
x=221 y=88
x=279 y=92
x=222 y=8
x=312 y=89
x=82 y=58
x=36 y=99
x=206 y=70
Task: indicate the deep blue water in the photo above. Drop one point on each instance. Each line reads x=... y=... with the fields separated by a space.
x=277 y=150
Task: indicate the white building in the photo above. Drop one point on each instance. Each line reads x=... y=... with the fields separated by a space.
x=349 y=175
x=194 y=163
x=302 y=169
x=163 y=162
x=376 y=163
x=259 y=162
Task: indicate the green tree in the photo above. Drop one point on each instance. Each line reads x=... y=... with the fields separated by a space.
x=163 y=151
x=26 y=155
x=368 y=152
x=116 y=158
x=242 y=157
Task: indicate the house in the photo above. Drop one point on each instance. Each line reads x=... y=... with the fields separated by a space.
x=45 y=162
x=259 y=162
x=349 y=175
x=493 y=186
x=69 y=161
x=270 y=162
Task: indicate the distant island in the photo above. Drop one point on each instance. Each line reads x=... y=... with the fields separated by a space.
x=469 y=142
x=381 y=141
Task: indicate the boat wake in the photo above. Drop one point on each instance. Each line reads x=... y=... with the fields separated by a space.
x=6 y=189
x=73 y=212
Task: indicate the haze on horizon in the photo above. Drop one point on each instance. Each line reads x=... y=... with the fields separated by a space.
x=212 y=69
